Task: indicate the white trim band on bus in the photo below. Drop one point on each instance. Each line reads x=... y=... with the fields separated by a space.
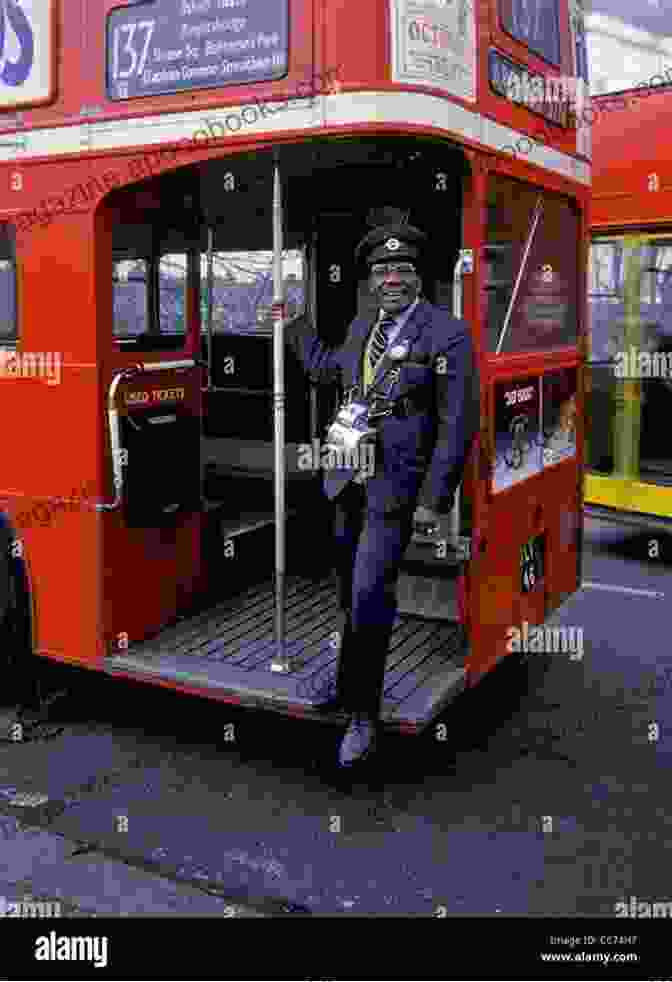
x=311 y=113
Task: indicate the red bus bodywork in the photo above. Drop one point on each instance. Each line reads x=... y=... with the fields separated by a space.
x=94 y=580
x=630 y=147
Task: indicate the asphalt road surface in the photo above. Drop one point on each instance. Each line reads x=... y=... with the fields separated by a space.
x=545 y=793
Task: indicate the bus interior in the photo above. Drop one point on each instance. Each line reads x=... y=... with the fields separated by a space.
x=192 y=259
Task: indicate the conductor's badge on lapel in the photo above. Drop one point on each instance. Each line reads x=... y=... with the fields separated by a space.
x=351 y=428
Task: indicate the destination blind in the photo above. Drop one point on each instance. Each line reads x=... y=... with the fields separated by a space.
x=168 y=46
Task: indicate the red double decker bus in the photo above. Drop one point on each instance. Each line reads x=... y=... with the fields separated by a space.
x=170 y=168
x=629 y=465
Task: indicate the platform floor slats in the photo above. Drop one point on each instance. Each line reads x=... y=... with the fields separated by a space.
x=236 y=616
x=229 y=649
x=426 y=701
x=249 y=643
x=310 y=622
x=415 y=676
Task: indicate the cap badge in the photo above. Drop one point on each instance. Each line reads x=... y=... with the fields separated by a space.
x=399 y=351
x=392 y=245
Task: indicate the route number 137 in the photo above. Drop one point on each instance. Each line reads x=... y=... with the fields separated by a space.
x=126 y=47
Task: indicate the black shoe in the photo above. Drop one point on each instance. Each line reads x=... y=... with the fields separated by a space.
x=359 y=742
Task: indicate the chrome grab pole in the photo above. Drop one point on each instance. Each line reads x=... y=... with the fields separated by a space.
x=281 y=661
x=312 y=312
x=210 y=298
x=464 y=264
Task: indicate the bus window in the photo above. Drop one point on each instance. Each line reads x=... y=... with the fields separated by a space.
x=531 y=285
x=658 y=280
x=534 y=23
x=8 y=318
x=498 y=286
x=605 y=300
x=607 y=291
x=130 y=278
x=578 y=29
x=243 y=290
x=609 y=260
x=606 y=268
x=172 y=293
x=630 y=318
x=655 y=459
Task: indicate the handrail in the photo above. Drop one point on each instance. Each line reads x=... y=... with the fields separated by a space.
x=210 y=298
x=240 y=391
x=282 y=661
x=464 y=264
x=160 y=366
x=113 y=419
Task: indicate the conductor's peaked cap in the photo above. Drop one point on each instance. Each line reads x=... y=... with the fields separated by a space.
x=390 y=242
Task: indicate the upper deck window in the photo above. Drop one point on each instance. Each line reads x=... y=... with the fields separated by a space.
x=8 y=318
x=535 y=23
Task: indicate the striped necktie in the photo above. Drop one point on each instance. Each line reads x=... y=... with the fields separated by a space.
x=379 y=339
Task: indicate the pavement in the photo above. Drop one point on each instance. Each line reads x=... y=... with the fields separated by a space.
x=39 y=866
x=541 y=793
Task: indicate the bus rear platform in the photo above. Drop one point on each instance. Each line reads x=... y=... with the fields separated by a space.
x=225 y=650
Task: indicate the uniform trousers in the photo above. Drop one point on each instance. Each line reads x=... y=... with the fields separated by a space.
x=369 y=547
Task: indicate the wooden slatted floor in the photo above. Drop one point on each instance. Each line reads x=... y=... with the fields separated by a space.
x=229 y=648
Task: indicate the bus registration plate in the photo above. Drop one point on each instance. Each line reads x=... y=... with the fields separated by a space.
x=531 y=563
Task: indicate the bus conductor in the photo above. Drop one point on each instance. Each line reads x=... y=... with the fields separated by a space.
x=412 y=390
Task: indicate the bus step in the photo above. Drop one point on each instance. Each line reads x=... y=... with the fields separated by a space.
x=428 y=582
x=226 y=653
x=428 y=596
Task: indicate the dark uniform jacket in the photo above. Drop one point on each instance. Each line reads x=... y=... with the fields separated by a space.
x=439 y=377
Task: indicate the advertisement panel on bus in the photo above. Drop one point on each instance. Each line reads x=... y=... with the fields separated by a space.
x=26 y=53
